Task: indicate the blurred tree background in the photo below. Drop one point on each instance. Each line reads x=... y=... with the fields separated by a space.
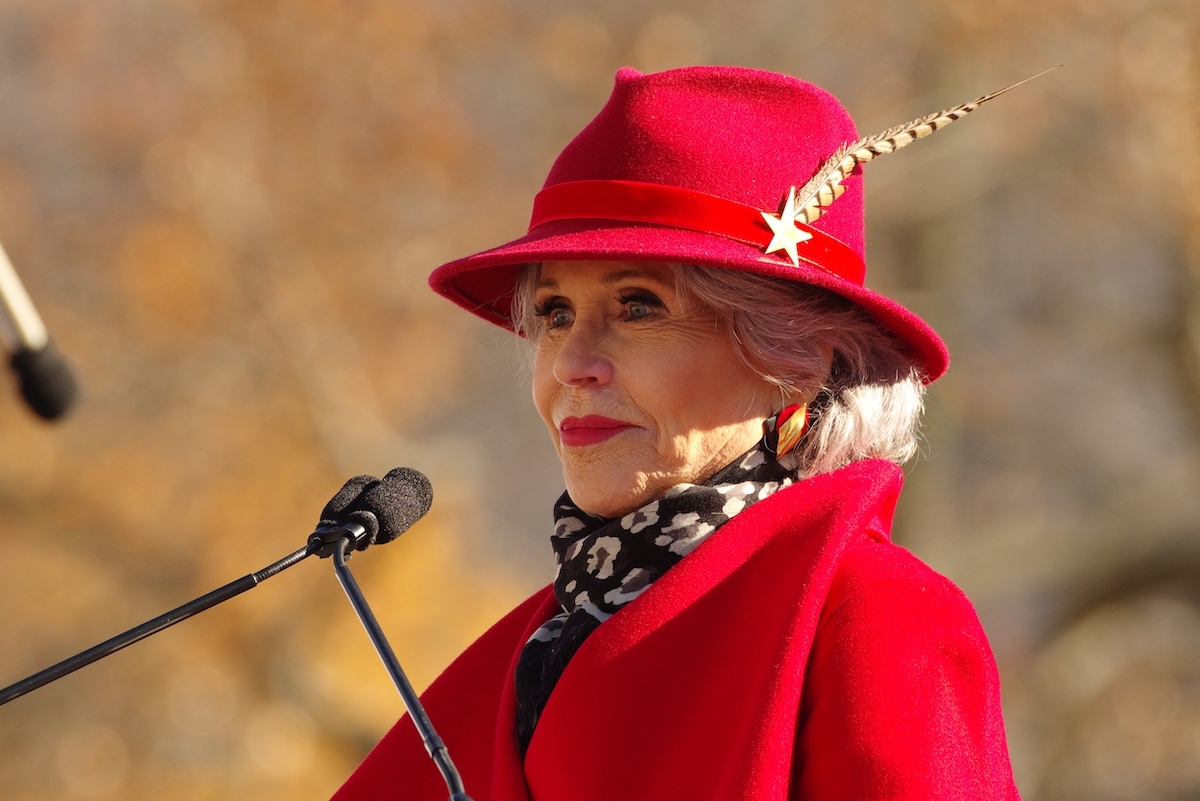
x=226 y=212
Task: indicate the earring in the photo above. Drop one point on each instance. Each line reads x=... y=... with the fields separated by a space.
x=787 y=428
x=793 y=422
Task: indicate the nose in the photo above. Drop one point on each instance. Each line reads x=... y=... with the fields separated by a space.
x=581 y=361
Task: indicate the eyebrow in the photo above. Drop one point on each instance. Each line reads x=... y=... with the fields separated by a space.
x=611 y=278
x=621 y=275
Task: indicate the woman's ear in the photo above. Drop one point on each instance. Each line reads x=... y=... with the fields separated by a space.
x=818 y=381
x=826 y=350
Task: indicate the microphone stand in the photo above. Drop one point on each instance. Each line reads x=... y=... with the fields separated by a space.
x=433 y=743
x=327 y=540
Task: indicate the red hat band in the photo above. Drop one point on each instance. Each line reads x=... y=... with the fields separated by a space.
x=674 y=206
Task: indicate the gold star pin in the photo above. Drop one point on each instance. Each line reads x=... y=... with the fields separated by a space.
x=784 y=233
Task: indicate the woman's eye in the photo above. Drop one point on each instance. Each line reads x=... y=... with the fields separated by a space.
x=638 y=310
x=640 y=305
x=553 y=314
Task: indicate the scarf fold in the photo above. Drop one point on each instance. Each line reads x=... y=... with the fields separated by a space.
x=605 y=563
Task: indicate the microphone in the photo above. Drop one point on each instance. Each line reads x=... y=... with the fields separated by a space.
x=45 y=380
x=384 y=506
x=373 y=511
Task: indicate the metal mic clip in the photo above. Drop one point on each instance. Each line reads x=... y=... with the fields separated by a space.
x=325 y=539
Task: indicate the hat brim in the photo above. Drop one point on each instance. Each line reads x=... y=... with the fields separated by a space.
x=483 y=284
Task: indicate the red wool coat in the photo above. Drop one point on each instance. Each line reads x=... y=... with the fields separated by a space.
x=796 y=654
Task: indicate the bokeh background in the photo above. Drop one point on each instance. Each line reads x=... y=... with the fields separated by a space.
x=226 y=212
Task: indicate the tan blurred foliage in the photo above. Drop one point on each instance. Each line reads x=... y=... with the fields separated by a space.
x=231 y=186
x=226 y=212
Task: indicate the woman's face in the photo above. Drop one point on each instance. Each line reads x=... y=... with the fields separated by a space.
x=639 y=391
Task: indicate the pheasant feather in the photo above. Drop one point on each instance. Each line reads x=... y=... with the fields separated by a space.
x=826 y=186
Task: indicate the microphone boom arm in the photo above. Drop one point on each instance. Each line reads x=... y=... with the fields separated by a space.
x=159 y=623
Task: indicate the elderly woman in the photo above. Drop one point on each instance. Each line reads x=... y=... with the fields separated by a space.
x=728 y=618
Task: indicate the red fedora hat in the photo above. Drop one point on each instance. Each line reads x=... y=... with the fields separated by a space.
x=679 y=167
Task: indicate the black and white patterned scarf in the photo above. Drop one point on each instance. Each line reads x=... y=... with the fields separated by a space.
x=605 y=563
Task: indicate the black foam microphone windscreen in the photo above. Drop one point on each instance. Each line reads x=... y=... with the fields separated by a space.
x=400 y=499
x=346 y=507
x=385 y=508
x=345 y=501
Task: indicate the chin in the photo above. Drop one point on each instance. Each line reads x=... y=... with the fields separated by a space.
x=605 y=496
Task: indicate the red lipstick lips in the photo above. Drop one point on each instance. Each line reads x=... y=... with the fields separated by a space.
x=578 y=431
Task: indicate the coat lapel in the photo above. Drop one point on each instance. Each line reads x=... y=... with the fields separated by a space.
x=508 y=770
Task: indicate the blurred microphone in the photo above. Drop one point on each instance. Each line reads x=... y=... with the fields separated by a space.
x=45 y=379
x=365 y=510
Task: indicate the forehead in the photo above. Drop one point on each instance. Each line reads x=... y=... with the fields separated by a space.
x=556 y=274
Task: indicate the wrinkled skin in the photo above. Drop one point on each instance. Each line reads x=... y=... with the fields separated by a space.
x=614 y=340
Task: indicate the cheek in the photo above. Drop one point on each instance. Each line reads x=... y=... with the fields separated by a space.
x=544 y=386
x=703 y=388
